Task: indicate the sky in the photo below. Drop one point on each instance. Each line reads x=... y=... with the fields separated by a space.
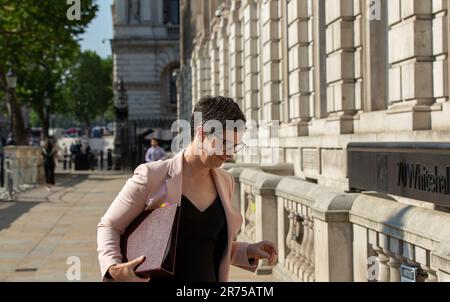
x=99 y=29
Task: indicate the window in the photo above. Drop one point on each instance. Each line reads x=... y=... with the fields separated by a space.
x=173 y=87
x=172 y=12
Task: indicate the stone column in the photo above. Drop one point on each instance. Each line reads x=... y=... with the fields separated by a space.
x=440 y=51
x=373 y=34
x=271 y=59
x=195 y=77
x=214 y=54
x=205 y=70
x=121 y=11
x=263 y=190
x=251 y=55
x=236 y=53
x=300 y=66
x=146 y=11
x=340 y=48
x=320 y=70
x=213 y=51
x=411 y=65
x=223 y=45
x=158 y=11
x=360 y=254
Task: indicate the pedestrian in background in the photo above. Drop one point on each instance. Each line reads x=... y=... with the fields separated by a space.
x=65 y=156
x=109 y=159
x=155 y=152
x=48 y=154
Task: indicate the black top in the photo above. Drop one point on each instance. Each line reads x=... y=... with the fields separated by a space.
x=202 y=238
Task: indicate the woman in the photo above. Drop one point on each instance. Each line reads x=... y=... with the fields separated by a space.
x=48 y=155
x=208 y=224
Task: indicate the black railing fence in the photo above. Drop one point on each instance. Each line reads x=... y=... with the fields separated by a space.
x=135 y=135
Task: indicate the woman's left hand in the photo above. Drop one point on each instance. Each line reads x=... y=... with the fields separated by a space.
x=263 y=250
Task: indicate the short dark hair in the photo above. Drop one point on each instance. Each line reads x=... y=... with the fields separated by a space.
x=219 y=108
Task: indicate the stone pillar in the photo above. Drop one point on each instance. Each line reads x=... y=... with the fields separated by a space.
x=340 y=48
x=215 y=67
x=271 y=59
x=319 y=236
x=236 y=53
x=411 y=65
x=300 y=66
x=223 y=45
x=447 y=39
x=121 y=11
x=440 y=262
x=319 y=48
x=373 y=34
x=195 y=79
x=205 y=70
x=251 y=56
x=440 y=51
x=333 y=239
x=263 y=189
x=146 y=11
x=360 y=254
x=158 y=10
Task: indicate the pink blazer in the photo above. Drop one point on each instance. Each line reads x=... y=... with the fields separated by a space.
x=150 y=186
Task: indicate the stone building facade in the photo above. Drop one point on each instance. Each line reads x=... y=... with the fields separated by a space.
x=316 y=75
x=145 y=49
x=330 y=71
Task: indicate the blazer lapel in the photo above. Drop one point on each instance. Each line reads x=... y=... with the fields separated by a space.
x=174 y=179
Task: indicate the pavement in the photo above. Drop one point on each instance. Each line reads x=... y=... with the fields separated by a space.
x=50 y=236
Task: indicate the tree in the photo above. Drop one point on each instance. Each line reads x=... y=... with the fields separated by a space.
x=39 y=42
x=88 y=88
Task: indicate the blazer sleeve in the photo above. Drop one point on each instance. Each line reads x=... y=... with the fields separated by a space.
x=239 y=256
x=128 y=204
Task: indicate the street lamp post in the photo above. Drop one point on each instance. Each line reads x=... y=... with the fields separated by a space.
x=11 y=81
x=121 y=110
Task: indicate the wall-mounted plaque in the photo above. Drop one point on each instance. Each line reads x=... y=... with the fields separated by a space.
x=414 y=170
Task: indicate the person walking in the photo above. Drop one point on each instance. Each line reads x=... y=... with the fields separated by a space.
x=48 y=155
x=209 y=224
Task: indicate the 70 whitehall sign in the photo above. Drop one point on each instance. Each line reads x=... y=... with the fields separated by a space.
x=419 y=171
x=422 y=178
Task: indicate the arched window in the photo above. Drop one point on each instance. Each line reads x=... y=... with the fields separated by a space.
x=173 y=86
x=172 y=11
x=169 y=91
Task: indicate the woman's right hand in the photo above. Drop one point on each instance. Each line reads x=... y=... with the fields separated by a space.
x=125 y=272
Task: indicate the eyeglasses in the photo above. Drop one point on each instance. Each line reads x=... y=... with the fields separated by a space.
x=233 y=149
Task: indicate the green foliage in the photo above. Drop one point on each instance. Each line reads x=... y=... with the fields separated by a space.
x=34 y=119
x=40 y=43
x=88 y=87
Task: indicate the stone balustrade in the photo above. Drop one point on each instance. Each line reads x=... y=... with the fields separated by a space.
x=313 y=228
x=259 y=208
x=394 y=234
x=325 y=235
